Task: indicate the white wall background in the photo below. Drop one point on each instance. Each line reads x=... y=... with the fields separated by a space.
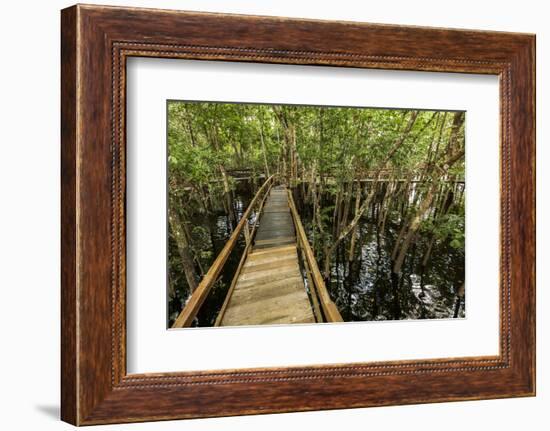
x=29 y=214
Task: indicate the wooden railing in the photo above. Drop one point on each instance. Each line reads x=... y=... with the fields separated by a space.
x=249 y=237
x=193 y=305
x=318 y=290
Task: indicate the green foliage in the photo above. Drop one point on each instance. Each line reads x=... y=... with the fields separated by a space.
x=448 y=227
x=207 y=140
x=201 y=244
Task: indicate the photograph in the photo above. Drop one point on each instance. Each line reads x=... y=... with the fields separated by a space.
x=284 y=214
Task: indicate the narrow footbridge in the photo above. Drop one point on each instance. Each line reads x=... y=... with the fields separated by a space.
x=277 y=280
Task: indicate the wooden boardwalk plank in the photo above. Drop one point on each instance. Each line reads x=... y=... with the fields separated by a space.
x=270 y=288
x=269 y=268
x=271 y=251
x=275 y=243
x=268 y=259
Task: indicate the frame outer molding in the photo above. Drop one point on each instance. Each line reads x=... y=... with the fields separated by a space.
x=69 y=331
x=95 y=42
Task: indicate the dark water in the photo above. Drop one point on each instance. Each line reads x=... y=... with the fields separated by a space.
x=361 y=289
x=210 y=233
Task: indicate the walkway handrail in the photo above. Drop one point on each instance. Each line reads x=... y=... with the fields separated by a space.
x=329 y=307
x=193 y=305
x=249 y=241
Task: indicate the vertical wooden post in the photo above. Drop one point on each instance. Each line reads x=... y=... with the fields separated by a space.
x=312 y=289
x=247 y=233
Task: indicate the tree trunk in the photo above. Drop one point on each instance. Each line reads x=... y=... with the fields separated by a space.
x=385 y=206
x=335 y=214
x=294 y=158
x=264 y=151
x=413 y=227
x=180 y=237
x=396 y=301
x=228 y=198
x=171 y=287
x=458 y=300
x=312 y=183
x=399 y=142
x=327 y=251
x=354 y=230
x=347 y=201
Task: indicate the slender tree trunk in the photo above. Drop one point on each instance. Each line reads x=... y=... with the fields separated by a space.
x=347 y=201
x=189 y=124
x=347 y=229
x=335 y=213
x=178 y=232
x=452 y=157
x=264 y=151
x=327 y=251
x=396 y=300
x=399 y=142
x=413 y=227
x=354 y=230
x=212 y=135
x=228 y=198
x=238 y=154
x=458 y=300
x=385 y=205
x=171 y=287
x=303 y=184
x=294 y=157
x=398 y=240
x=312 y=183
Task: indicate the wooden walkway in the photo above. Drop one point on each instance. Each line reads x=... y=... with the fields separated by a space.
x=270 y=288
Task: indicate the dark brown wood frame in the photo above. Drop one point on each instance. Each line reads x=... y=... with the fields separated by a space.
x=95 y=43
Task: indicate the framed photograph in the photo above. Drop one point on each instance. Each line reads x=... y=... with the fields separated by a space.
x=265 y=215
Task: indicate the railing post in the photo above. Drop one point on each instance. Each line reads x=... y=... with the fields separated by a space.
x=247 y=234
x=247 y=249
x=330 y=310
x=312 y=289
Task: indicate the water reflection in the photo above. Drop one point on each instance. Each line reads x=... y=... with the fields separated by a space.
x=362 y=289
x=210 y=233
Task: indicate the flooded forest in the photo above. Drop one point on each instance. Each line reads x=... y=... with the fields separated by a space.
x=380 y=194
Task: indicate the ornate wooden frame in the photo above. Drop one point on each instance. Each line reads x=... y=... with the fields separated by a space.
x=95 y=42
